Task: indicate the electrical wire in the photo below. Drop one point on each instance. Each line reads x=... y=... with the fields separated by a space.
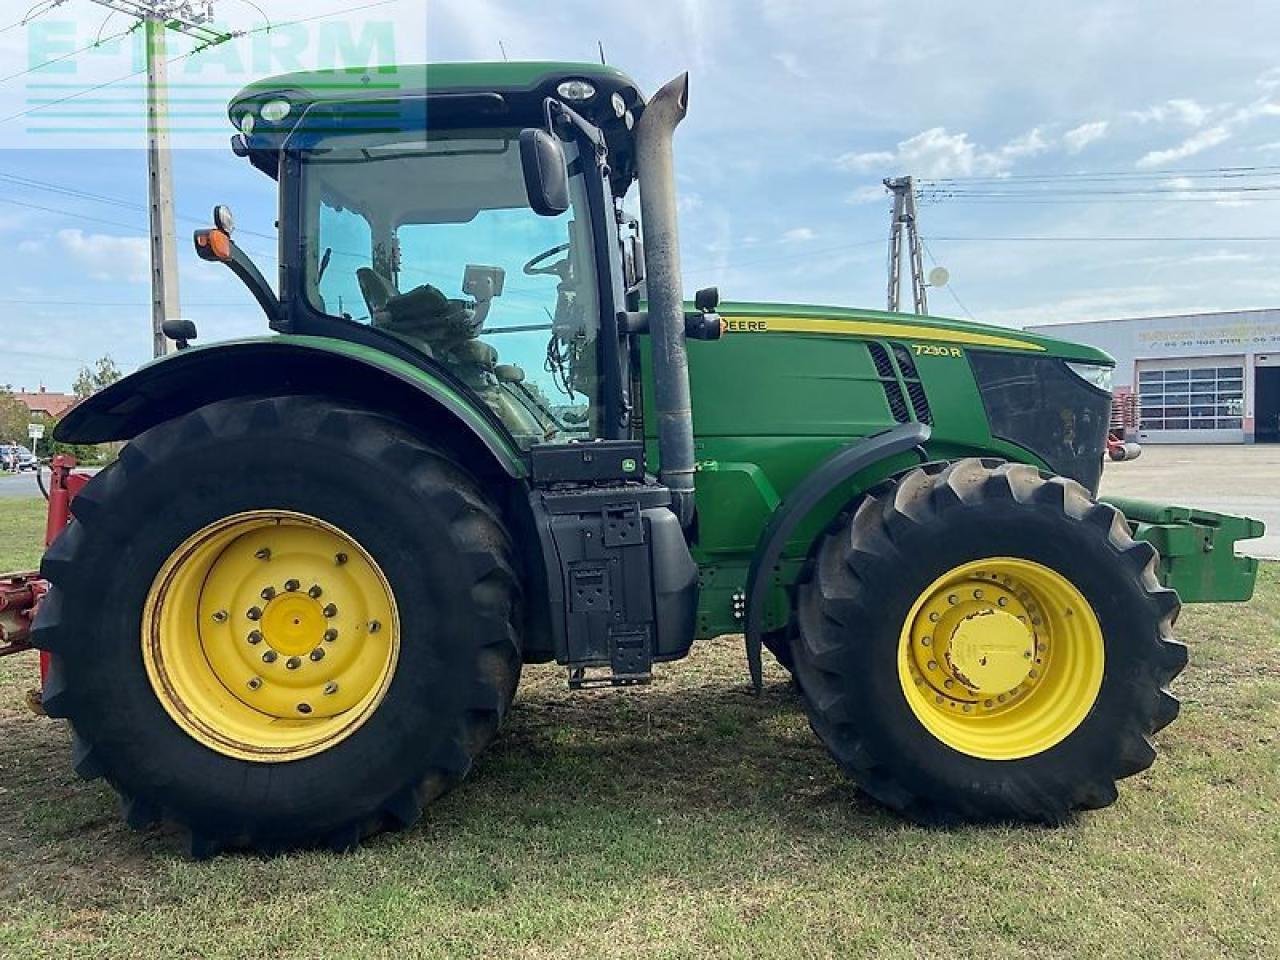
x=950 y=287
x=31 y=16
x=191 y=53
x=1196 y=173
x=34 y=184
x=68 y=56
x=1106 y=239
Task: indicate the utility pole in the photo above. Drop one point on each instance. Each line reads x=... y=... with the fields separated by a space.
x=157 y=18
x=904 y=215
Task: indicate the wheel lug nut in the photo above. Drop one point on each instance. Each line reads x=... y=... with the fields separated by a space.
x=340 y=559
x=1003 y=602
x=925 y=641
x=374 y=626
x=270 y=656
x=948 y=684
x=254 y=613
x=314 y=592
x=255 y=637
x=933 y=617
x=330 y=636
x=220 y=616
x=304 y=708
x=293 y=663
x=317 y=654
x=933 y=664
x=268 y=593
x=330 y=611
x=953 y=599
x=330 y=688
x=292 y=585
x=977 y=594
x=263 y=554
x=255 y=683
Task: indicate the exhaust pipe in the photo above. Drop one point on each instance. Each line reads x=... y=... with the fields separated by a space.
x=656 y=163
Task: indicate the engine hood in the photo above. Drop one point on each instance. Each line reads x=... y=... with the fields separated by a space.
x=827 y=321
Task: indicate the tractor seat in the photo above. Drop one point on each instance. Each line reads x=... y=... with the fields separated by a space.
x=376 y=289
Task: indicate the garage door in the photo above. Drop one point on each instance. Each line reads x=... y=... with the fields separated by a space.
x=1192 y=401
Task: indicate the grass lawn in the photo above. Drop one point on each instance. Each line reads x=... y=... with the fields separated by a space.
x=688 y=819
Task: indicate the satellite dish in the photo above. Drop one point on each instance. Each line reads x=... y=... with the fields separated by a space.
x=939 y=277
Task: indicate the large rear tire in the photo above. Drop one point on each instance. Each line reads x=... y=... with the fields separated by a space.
x=281 y=623
x=980 y=643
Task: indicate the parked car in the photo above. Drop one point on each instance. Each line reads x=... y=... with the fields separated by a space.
x=17 y=459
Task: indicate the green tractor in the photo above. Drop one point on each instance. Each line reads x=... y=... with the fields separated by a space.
x=490 y=431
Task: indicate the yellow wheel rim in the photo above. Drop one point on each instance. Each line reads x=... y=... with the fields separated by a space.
x=1001 y=659
x=270 y=636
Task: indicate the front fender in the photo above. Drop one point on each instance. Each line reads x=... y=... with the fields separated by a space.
x=277 y=366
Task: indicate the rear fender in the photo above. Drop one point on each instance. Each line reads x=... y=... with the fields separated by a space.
x=277 y=366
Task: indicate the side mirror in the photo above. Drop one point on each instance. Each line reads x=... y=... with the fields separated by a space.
x=546 y=175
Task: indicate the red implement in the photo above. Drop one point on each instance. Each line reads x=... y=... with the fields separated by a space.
x=21 y=593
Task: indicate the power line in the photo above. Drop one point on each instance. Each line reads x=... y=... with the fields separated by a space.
x=100 y=303
x=1200 y=172
x=1106 y=239
x=1066 y=192
x=68 y=56
x=112 y=223
x=191 y=53
x=32 y=16
x=112 y=201
x=950 y=287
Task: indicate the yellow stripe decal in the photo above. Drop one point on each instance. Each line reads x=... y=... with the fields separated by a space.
x=873 y=328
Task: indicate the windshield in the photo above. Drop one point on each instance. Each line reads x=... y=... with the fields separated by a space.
x=432 y=240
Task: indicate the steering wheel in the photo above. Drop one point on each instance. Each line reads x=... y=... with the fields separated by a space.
x=534 y=267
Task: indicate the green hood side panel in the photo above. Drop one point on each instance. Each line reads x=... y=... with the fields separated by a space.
x=182 y=381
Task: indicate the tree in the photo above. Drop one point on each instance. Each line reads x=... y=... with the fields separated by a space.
x=104 y=374
x=14 y=418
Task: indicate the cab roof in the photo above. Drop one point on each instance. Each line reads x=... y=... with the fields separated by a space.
x=482 y=94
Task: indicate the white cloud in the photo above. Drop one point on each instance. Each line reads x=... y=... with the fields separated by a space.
x=1196 y=143
x=689 y=202
x=872 y=193
x=798 y=235
x=108 y=258
x=31 y=246
x=791 y=63
x=937 y=153
x=1080 y=137
x=1029 y=144
x=1178 y=110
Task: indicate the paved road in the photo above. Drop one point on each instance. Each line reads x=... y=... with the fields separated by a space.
x=18 y=485
x=1243 y=480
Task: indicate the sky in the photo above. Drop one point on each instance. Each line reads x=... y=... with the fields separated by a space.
x=1049 y=132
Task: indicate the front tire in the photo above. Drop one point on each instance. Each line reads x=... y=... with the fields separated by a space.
x=980 y=643
x=281 y=623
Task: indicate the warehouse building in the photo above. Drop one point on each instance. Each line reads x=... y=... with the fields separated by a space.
x=1200 y=378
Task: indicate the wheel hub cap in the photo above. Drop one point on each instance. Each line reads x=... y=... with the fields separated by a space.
x=293 y=625
x=991 y=652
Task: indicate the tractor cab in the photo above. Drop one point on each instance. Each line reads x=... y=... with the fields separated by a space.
x=411 y=222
